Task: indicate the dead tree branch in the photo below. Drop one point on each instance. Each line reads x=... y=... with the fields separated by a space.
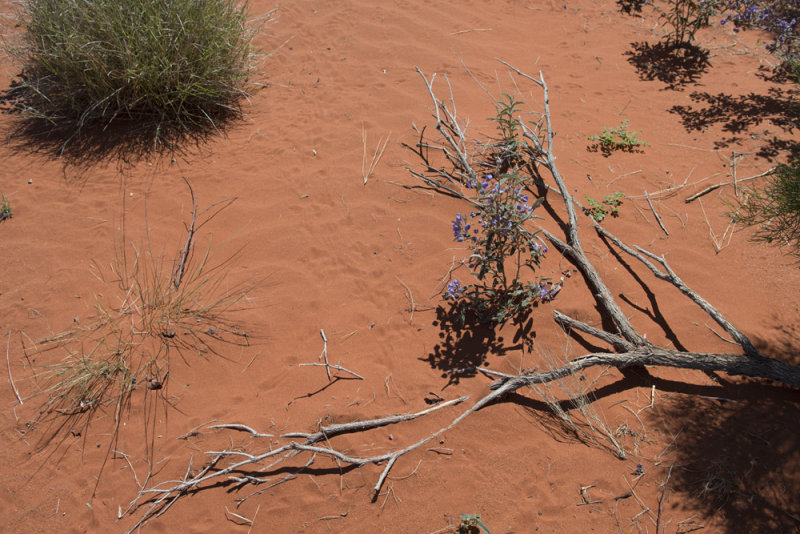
x=630 y=348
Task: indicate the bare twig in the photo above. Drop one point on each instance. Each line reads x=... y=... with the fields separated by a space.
x=658 y=219
x=717 y=186
x=327 y=365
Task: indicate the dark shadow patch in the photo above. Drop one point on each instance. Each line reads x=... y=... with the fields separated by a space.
x=738 y=451
x=631 y=7
x=740 y=115
x=467 y=341
x=123 y=139
x=676 y=65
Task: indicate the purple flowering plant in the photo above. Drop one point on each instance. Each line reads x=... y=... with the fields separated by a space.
x=502 y=247
x=781 y=18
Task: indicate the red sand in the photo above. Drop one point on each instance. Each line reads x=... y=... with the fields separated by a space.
x=337 y=255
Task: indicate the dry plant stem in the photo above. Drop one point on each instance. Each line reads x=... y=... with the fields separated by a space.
x=664 y=490
x=327 y=365
x=187 y=246
x=174 y=489
x=368 y=168
x=8 y=366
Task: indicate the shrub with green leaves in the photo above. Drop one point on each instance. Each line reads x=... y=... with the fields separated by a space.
x=609 y=206
x=618 y=138
x=173 y=65
x=501 y=245
x=776 y=209
x=5 y=208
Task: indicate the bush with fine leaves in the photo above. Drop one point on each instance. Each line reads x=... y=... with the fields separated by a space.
x=173 y=65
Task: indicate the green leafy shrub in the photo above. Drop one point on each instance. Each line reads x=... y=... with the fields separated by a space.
x=686 y=17
x=470 y=524
x=495 y=231
x=775 y=208
x=177 y=67
x=5 y=208
x=619 y=138
x=609 y=206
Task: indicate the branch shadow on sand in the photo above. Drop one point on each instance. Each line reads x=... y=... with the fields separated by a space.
x=738 y=451
x=740 y=115
x=676 y=65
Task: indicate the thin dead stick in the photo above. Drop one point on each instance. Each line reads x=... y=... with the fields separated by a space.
x=658 y=219
x=325 y=353
x=459 y=32
x=327 y=365
x=330 y=366
x=8 y=365
x=254 y=518
x=180 y=265
x=664 y=490
x=412 y=305
x=243 y=428
x=717 y=186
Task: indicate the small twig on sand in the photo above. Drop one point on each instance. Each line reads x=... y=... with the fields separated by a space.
x=180 y=265
x=328 y=366
x=8 y=365
x=717 y=186
x=653 y=209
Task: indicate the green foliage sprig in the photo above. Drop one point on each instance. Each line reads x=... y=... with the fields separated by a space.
x=775 y=208
x=618 y=138
x=609 y=206
x=5 y=208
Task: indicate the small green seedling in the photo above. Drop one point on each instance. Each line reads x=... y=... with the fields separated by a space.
x=609 y=206
x=619 y=138
x=5 y=208
x=469 y=522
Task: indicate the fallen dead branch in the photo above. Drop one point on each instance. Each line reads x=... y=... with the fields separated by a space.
x=628 y=348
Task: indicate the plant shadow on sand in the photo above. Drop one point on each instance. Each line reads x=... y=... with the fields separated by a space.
x=737 y=451
x=740 y=114
x=466 y=344
x=676 y=65
x=124 y=141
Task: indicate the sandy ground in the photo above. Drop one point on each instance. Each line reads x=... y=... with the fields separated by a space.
x=329 y=252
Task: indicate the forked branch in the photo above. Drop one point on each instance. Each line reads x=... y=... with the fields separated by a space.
x=630 y=348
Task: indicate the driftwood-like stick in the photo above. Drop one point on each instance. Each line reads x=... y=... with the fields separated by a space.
x=631 y=348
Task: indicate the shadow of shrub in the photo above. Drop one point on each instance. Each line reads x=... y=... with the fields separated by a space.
x=676 y=65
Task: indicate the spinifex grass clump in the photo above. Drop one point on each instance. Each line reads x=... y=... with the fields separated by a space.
x=776 y=209
x=176 y=67
x=502 y=247
x=160 y=307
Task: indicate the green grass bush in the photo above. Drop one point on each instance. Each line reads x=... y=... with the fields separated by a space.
x=775 y=209
x=176 y=67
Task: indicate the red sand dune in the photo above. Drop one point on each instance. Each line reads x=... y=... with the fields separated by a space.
x=338 y=255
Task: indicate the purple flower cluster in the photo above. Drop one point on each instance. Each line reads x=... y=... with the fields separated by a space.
x=778 y=17
x=453 y=290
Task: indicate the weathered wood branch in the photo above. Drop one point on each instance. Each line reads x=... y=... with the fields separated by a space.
x=632 y=349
